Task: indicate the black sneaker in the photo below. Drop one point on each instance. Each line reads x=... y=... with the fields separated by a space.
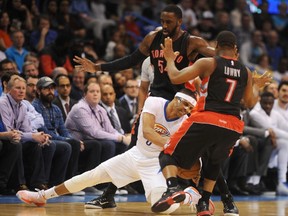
x=230 y=209
x=101 y=202
x=171 y=196
x=203 y=208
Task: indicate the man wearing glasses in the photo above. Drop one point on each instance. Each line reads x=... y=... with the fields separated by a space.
x=63 y=100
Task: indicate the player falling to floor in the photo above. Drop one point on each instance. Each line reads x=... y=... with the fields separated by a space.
x=160 y=118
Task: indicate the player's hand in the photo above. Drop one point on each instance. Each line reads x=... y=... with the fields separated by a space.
x=86 y=65
x=127 y=139
x=261 y=80
x=168 y=51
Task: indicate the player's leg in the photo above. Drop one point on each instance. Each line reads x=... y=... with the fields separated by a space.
x=75 y=184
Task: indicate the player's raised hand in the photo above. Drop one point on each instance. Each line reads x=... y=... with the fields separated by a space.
x=168 y=51
x=261 y=80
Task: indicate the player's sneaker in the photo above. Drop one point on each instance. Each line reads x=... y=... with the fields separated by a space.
x=171 y=196
x=101 y=202
x=230 y=209
x=31 y=197
x=203 y=208
x=211 y=207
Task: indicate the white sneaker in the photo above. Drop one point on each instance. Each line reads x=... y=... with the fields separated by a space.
x=282 y=189
x=193 y=195
x=31 y=197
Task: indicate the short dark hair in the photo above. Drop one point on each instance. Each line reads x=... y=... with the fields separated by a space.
x=226 y=38
x=7 y=76
x=282 y=83
x=173 y=9
x=267 y=94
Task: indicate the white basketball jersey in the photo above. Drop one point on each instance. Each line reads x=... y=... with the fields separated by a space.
x=157 y=107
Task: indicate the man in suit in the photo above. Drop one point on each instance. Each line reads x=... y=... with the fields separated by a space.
x=63 y=100
x=129 y=100
x=117 y=114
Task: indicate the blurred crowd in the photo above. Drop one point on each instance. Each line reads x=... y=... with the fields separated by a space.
x=38 y=40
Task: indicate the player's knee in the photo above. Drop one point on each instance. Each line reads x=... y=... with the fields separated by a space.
x=166 y=159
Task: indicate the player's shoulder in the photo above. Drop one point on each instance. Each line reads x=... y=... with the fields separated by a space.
x=196 y=39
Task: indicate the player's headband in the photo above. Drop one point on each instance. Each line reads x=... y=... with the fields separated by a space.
x=186 y=97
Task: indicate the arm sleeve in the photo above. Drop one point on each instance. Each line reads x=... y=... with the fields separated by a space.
x=123 y=63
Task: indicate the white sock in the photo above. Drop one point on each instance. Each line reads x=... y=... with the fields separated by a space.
x=250 y=180
x=50 y=193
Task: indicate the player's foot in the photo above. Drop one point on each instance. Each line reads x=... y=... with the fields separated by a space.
x=31 y=197
x=101 y=202
x=230 y=209
x=171 y=196
x=203 y=208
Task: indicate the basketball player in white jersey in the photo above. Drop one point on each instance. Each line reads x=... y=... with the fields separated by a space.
x=159 y=119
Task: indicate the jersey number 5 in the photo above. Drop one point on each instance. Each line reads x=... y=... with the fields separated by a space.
x=232 y=86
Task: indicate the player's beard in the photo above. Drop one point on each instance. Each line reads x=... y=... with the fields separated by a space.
x=173 y=32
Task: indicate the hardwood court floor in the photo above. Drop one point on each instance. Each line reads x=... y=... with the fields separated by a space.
x=73 y=206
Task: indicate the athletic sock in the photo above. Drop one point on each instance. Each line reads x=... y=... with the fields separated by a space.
x=50 y=193
x=172 y=182
x=110 y=190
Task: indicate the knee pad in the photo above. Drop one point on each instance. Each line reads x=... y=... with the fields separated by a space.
x=166 y=159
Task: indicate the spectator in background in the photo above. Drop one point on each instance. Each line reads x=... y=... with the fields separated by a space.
x=222 y=21
x=43 y=35
x=70 y=21
x=129 y=101
x=206 y=26
x=57 y=71
x=264 y=116
x=29 y=69
x=189 y=16
x=51 y=10
x=281 y=103
x=20 y=15
x=63 y=100
x=117 y=114
x=78 y=79
x=31 y=82
x=88 y=120
x=263 y=64
x=115 y=39
x=263 y=16
x=93 y=17
x=245 y=29
x=17 y=52
x=274 y=50
x=7 y=65
x=4 y=81
x=90 y=78
x=273 y=88
x=280 y=20
x=54 y=124
x=119 y=83
x=32 y=57
x=282 y=69
x=57 y=55
x=237 y=13
x=5 y=39
x=15 y=117
x=105 y=79
x=251 y=50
